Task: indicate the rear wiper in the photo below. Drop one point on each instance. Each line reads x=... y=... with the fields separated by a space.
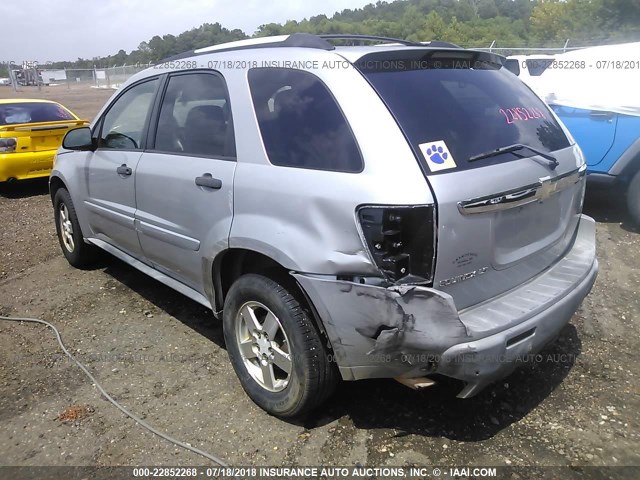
x=553 y=163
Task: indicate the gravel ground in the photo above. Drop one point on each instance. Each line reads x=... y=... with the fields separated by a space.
x=163 y=357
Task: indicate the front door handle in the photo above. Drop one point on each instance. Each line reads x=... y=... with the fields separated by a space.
x=124 y=170
x=207 y=180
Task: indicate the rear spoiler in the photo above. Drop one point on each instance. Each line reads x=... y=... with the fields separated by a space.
x=428 y=58
x=32 y=127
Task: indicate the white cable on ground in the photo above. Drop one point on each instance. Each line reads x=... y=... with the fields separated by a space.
x=138 y=420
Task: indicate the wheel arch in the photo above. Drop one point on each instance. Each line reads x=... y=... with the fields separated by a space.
x=629 y=162
x=55 y=184
x=232 y=263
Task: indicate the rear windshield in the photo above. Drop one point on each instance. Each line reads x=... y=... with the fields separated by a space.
x=451 y=110
x=33 y=112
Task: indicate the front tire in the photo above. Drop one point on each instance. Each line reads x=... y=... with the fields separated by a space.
x=275 y=349
x=633 y=198
x=78 y=253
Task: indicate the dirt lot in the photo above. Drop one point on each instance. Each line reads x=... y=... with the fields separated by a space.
x=163 y=357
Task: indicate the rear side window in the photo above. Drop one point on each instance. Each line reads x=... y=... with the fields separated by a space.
x=33 y=112
x=195 y=117
x=300 y=122
x=452 y=110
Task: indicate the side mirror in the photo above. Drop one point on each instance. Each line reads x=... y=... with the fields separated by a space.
x=78 y=139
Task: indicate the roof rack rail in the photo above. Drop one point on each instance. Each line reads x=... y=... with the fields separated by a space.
x=370 y=38
x=440 y=44
x=305 y=40
x=407 y=43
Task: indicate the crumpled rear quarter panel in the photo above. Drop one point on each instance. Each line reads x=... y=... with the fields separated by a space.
x=386 y=329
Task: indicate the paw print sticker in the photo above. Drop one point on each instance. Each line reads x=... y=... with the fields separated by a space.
x=437 y=155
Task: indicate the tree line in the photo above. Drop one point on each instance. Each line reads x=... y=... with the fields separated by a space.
x=468 y=23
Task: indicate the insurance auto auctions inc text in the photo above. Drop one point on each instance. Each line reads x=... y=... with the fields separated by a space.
x=353 y=472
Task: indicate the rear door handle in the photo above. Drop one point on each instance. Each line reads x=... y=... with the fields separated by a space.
x=124 y=170
x=207 y=180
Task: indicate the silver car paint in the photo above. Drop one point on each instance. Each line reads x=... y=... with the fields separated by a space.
x=309 y=226
x=517 y=243
x=110 y=200
x=178 y=221
x=305 y=220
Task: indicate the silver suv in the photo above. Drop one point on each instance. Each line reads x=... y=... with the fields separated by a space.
x=393 y=210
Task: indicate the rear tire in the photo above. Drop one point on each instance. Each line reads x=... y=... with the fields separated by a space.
x=267 y=333
x=633 y=198
x=78 y=253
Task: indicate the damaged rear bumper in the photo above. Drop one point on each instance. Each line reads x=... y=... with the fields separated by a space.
x=413 y=331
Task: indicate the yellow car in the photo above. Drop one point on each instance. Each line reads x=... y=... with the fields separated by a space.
x=31 y=132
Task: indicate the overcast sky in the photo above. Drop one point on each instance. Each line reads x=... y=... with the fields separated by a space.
x=51 y=30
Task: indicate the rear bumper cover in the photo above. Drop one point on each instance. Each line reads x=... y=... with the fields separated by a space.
x=22 y=166
x=412 y=331
x=481 y=362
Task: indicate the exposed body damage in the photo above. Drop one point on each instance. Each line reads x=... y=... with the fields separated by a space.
x=413 y=331
x=380 y=331
x=406 y=329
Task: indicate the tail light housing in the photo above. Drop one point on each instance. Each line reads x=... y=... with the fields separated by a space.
x=8 y=145
x=401 y=241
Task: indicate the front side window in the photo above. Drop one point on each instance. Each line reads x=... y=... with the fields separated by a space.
x=124 y=123
x=195 y=117
x=300 y=122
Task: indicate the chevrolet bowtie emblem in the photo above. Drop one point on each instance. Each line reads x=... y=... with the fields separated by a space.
x=541 y=190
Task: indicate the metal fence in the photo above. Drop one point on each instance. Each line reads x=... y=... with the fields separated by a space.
x=111 y=77
x=506 y=51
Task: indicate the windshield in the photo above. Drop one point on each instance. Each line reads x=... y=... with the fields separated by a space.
x=34 y=112
x=451 y=110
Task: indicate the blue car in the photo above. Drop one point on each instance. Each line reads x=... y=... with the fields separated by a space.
x=610 y=142
x=594 y=91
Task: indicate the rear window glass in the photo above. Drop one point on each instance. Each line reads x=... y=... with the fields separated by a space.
x=33 y=113
x=300 y=122
x=452 y=110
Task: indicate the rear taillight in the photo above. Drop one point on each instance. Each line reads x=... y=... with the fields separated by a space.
x=401 y=241
x=8 y=145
